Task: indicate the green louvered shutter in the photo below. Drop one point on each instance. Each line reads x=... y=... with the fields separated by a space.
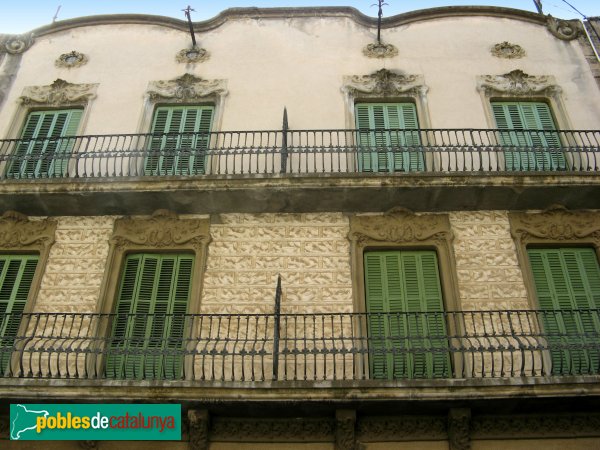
x=149 y=325
x=388 y=137
x=47 y=141
x=407 y=328
x=16 y=275
x=180 y=140
x=567 y=282
x=539 y=147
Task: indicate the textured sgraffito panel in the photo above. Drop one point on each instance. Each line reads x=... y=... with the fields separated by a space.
x=248 y=251
x=489 y=276
x=73 y=276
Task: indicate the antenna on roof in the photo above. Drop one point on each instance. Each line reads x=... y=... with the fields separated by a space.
x=379 y=3
x=56 y=15
x=188 y=14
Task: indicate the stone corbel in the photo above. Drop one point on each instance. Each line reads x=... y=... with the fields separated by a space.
x=345 y=426
x=198 y=429
x=59 y=93
x=187 y=88
x=459 y=422
x=517 y=83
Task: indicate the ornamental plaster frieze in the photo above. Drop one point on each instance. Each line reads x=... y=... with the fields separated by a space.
x=163 y=230
x=506 y=50
x=59 y=93
x=400 y=226
x=185 y=88
x=15 y=44
x=556 y=224
x=17 y=232
x=384 y=83
x=517 y=82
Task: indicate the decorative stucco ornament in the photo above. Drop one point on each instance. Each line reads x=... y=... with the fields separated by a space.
x=59 y=93
x=517 y=82
x=382 y=83
x=567 y=30
x=380 y=50
x=185 y=88
x=70 y=60
x=15 y=44
x=192 y=55
x=507 y=50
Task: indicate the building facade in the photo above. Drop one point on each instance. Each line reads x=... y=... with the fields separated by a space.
x=306 y=237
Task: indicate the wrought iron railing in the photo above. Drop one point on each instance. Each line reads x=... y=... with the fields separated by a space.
x=302 y=347
x=279 y=152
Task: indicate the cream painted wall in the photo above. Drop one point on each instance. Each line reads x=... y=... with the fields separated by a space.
x=269 y=63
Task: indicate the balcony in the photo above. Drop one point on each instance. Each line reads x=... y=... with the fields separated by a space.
x=284 y=171
x=307 y=349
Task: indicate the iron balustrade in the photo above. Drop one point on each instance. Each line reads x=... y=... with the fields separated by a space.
x=307 y=347
x=276 y=152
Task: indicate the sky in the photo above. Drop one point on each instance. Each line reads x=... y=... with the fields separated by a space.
x=25 y=15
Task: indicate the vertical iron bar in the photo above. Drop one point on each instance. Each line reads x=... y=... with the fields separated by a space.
x=284 y=136
x=276 y=326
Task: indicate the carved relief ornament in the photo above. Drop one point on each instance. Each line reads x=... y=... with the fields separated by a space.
x=59 y=93
x=198 y=429
x=186 y=88
x=380 y=50
x=566 y=30
x=401 y=428
x=71 y=60
x=272 y=429
x=556 y=224
x=192 y=55
x=517 y=82
x=17 y=232
x=163 y=230
x=400 y=226
x=384 y=83
x=15 y=44
x=507 y=50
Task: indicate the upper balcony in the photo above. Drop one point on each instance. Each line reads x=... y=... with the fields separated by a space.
x=286 y=170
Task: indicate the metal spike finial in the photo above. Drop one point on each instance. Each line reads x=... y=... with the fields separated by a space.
x=380 y=4
x=188 y=14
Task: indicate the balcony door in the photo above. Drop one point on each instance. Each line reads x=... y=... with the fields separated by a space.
x=46 y=144
x=405 y=315
x=388 y=137
x=16 y=276
x=567 y=283
x=530 y=141
x=179 y=141
x=149 y=322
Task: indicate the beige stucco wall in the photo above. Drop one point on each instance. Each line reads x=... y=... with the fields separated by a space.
x=269 y=63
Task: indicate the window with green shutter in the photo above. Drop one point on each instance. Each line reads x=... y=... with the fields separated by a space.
x=567 y=283
x=149 y=321
x=388 y=137
x=180 y=140
x=46 y=144
x=530 y=141
x=16 y=276
x=406 y=323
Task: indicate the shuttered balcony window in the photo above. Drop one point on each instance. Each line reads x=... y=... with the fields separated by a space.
x=16 y=276
x=567 y=284
x=46 y=144
x=180 y=140
x=407 y=328
x=149 y=323
x=528 y=136
x=388 y=137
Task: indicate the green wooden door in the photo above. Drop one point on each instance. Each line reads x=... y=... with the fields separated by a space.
x=16 y=276
x=537 y=148
x=388 y=137
x=149 y=324
x=407 y=327
x=180 y=140
x=46 y=144
x=567 y=283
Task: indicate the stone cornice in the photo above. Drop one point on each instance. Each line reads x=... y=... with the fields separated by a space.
x=279 y=13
